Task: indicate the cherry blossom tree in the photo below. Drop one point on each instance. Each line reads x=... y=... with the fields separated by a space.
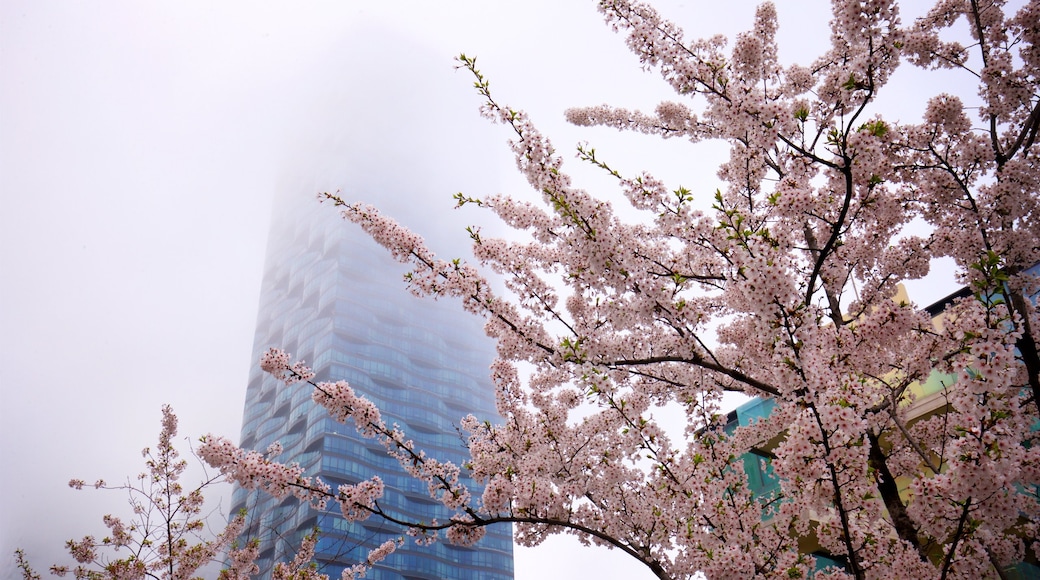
x=169 y=536
x=166 y=536
x=782 y=289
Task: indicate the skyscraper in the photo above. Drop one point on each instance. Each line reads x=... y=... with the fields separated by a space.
x=335 y=299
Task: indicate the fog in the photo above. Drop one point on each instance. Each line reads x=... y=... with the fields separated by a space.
x=142 y=143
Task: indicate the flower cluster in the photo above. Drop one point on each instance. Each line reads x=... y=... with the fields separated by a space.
x=357 y=502
x=342 y=403
x=279 y=364
x=252 y=470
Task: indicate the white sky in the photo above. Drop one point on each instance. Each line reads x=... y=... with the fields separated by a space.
x=141 y=144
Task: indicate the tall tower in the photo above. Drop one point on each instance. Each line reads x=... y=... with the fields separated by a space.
x=333 y=298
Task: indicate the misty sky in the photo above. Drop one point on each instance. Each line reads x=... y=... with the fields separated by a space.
x=141 y=143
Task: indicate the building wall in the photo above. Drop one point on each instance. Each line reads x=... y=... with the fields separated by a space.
x=333 y=298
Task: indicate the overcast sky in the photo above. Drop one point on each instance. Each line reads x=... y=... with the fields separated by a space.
x=141 y=143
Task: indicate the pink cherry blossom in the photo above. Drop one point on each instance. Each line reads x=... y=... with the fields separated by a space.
x=899 y=443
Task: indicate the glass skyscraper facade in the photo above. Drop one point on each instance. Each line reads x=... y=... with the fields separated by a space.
x=335 y=299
